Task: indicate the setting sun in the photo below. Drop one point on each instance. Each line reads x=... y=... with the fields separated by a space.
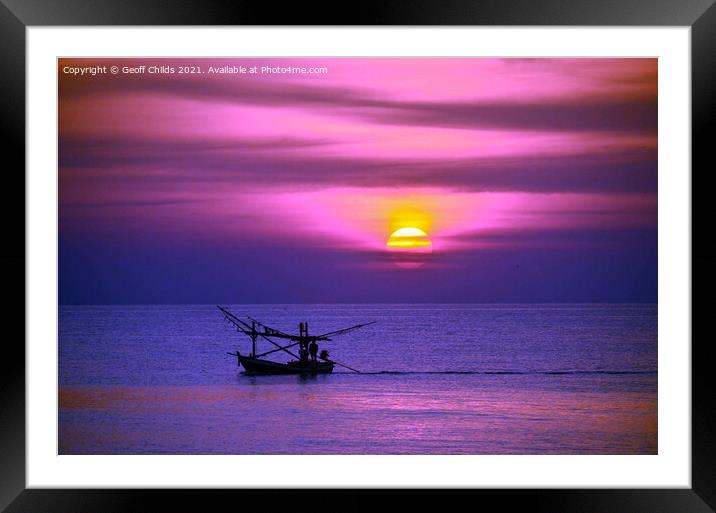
x=410 y=239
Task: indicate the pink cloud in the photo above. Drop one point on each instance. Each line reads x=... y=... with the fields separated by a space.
x=469 y=146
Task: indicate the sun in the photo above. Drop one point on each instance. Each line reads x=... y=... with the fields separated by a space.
x=409 y=240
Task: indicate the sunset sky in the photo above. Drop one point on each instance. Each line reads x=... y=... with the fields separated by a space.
x=512 y=180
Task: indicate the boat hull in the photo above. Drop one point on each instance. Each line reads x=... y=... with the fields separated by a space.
x=259 y=366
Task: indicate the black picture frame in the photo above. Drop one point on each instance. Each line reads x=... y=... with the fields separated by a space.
x=17 y=15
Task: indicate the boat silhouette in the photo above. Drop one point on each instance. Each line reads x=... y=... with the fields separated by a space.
x=308 y=361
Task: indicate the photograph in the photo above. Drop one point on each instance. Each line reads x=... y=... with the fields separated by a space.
x=357 y=256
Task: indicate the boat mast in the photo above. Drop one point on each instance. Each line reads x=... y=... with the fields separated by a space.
x=303 y=342
x=254 y=336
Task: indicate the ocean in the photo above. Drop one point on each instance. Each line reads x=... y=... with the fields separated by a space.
x=435 y=379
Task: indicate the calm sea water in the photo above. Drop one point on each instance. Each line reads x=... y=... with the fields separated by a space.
x=436 y=379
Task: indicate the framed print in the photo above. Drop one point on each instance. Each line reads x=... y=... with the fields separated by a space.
x=423 y=249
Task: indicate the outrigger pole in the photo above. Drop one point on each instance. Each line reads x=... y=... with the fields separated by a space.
x=346 y=366
x=244 y=327
x=306 y=336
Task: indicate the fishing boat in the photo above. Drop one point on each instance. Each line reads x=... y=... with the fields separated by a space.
x=307 y=361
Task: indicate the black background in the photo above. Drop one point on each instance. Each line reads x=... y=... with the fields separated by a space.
x=16 y=15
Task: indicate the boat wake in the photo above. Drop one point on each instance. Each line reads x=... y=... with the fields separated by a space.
x=505 y=372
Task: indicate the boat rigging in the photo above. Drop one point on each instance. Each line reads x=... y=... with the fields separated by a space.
x=308 y=361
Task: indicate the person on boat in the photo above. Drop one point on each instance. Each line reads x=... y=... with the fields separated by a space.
x=313 y=348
